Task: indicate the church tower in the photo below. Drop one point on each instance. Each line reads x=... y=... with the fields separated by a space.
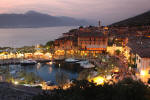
x=99 y=23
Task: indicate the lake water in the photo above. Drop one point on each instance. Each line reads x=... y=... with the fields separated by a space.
x=47 y=72
x=18 y=37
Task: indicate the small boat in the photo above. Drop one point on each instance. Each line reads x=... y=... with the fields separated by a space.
x=28 y=62
x=86 y=64
x=89 y=65
x=83 y=62
x=71 y=60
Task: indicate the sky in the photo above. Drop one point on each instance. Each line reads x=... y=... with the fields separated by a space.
x=108 y=11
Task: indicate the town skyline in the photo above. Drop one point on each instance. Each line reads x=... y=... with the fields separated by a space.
x=115 y=10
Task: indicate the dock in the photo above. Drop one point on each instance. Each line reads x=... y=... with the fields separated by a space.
x=18 y=61
x=9 y=62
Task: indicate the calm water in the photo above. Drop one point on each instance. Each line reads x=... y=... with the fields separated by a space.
x=48 y=72
x=45 y=71
x=19 y=37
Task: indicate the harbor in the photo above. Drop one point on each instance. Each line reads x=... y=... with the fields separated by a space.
x=43 y=69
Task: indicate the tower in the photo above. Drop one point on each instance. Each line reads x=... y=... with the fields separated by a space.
x=99 y=23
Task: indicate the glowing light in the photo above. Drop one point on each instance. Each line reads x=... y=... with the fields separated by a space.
x=48 y=55
x=50 y=63
x=98 y=80
x=38 y=53
x=16 y=82
x=108 y=77
x=143 y=73
x=116 y=70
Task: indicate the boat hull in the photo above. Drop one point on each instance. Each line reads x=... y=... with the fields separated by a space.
x=26 y=64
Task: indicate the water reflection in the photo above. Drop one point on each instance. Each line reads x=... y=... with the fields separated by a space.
x=50 y=69
x=38 y=66
x=48 y=72
x=50 y=63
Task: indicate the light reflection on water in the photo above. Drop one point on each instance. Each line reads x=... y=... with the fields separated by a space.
x=45 y=71
x=50 y=69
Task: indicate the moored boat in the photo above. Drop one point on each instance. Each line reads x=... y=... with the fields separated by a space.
x=71 y=60
x=89 y=65
x=86 y=64
x=28 y=62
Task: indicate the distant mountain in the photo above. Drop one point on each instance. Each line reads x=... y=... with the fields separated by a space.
x=36 y=19
x=142 y=19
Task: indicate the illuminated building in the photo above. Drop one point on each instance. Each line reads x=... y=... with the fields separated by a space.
x=140 y=50
x=111 y=49
x=143 y=64
x=92 y=42
x=83 y=41
x=65 y=45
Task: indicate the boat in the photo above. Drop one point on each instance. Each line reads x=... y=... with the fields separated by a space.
x=71 y=60
x=82 y=62
x=28 y=62
x=86 y=64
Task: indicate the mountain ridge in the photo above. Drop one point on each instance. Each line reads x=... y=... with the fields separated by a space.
x=36 y=19
x=138 y=20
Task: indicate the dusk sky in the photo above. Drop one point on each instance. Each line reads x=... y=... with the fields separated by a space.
x=108 y=11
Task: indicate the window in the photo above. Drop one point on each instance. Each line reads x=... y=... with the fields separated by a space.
x=139 y=61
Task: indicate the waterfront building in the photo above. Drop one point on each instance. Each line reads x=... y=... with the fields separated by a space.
x=92 y=42
x=83 y=41
x=65 y=45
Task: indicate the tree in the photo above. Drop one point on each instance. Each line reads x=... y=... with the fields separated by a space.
x=126 y=89
x=117 y=52
x=49 y=43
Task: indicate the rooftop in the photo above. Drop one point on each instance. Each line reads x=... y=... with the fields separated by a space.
x=91 y=34
x=140 y=46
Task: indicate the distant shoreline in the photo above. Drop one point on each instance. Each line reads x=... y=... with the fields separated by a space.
x=38 y=27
